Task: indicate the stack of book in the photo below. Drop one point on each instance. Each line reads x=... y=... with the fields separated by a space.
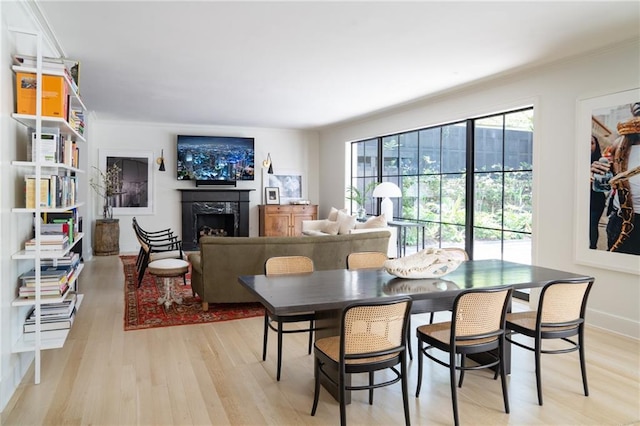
x=54 y=282
x=53 y=316
x=70 y=260
x=69 y=67
x=49 y=242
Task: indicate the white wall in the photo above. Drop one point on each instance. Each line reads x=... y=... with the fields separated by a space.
x=553 y=90
x=290 y=149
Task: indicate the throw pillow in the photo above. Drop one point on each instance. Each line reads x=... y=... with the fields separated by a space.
x=333 y=214
x=373 y=222
x=346 y=222
x=331 y=228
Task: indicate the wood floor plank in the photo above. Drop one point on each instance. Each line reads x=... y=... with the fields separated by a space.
x=214 y=374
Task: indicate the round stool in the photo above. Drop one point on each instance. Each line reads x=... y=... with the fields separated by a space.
x=168 y=269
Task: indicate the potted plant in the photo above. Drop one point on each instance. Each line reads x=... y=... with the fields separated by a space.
x=360 y=197
x=107 y=184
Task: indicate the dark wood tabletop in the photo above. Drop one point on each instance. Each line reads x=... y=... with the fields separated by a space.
x=335 y=289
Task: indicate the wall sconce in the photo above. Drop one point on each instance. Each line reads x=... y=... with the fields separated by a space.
x=160 y=160
x=267 y=163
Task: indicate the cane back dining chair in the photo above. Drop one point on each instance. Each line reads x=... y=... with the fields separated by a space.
x=477 y=326
x=366 y=259
x=283 y=265
x=372 y=338
x=559 y=315
x=416 y=308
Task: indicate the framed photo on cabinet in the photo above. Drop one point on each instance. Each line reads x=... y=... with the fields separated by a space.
x=272 y=195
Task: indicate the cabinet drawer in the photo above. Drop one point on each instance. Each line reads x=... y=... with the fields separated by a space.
x=275 y=209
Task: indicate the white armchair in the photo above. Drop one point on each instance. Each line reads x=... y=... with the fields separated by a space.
x=329 y=227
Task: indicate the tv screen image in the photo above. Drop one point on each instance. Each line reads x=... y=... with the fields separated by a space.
x=215 y=158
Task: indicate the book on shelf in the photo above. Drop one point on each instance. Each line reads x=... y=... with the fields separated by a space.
x=48 y=143
x=45 y=291
x=70 y=67
x=30 y=191
x=48 y=245
x=70 y=259
x=49 y=277
x=55 y=95
x=62 y=324
x=54 y=311
x=46 y=335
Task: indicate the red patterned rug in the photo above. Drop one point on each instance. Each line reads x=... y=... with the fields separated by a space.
x=143 y=311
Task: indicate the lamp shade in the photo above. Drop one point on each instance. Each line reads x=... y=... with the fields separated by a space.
x=387 y=189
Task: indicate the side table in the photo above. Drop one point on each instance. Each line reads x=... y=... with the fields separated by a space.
x=168 y=269
x=106 y=237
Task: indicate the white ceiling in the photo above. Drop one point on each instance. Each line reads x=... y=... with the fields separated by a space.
x=310 y=64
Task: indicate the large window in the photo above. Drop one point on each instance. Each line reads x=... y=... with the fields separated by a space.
x=468 y=183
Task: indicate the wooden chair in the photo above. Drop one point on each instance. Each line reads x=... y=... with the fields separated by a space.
x=155 y=246
x=560 y=315
x=372 y=338
x=477 y=327
x=149 y=235
x=366 y=259
x=280 y=266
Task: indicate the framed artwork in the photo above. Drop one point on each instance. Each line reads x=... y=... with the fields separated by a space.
x=135 y=195
x=272 y=195
x=289 y=182
x=597 y=129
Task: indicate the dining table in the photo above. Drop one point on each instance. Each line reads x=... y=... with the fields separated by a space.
x=328 y=292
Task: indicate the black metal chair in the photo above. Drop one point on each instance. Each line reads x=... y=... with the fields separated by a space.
x=477 y=327
x=372 y=338
x=560 y=315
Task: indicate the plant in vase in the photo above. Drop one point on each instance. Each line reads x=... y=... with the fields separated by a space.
x=107 y=184
x=360 y=197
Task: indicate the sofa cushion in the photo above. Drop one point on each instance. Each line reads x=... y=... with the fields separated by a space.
x=373 y=222
x=331 y=228
x=333 y=214
x=346 y=222
x=313 y=233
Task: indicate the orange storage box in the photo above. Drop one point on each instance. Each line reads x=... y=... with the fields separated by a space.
x=54 y=95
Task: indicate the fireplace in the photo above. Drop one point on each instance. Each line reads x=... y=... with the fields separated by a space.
x=215 y=212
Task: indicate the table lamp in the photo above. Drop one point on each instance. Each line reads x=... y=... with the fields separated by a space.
x=386 y=190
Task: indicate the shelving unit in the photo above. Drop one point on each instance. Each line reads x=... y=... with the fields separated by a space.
x=42 y=340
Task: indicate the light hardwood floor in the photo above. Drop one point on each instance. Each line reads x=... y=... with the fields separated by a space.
x=213 y=374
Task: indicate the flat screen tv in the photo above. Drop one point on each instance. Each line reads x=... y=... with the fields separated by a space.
x=215 y=160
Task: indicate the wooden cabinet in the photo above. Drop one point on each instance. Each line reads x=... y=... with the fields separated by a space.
x=286 y=220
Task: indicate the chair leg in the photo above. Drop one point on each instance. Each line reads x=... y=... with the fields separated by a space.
x=409 y=337
x=341 y=392
x=370 y=389
x=462 y=362
x=431 y=317
x=266 y=335
x=405 y=391
x=538 y=348
x=279 y=350
x=583 y=364
x=503 y=377
x=454 y=392
x=143 y=268
x=419 y=355
x=316 y=389
x=311 y=326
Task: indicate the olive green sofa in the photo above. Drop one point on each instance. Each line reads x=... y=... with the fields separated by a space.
x=215 y=269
